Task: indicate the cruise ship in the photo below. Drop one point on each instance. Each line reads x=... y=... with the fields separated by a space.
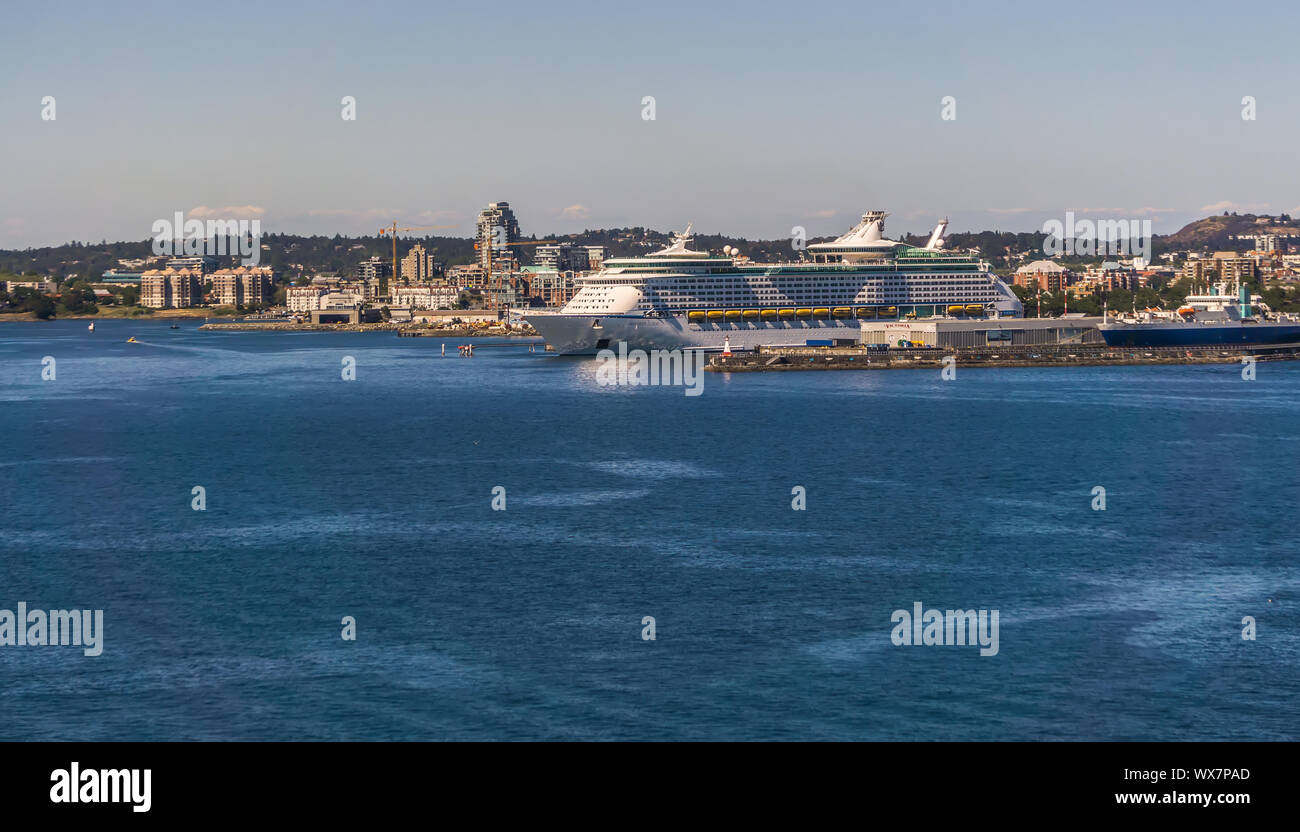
x=677 y=298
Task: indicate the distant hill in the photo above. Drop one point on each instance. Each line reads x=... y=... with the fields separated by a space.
x=1217 y=232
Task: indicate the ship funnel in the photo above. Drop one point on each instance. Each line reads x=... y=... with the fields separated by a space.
x=936 y=239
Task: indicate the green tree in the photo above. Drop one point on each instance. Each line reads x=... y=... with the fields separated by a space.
x=1120 y=300
x=72 y=301
x=41 y=305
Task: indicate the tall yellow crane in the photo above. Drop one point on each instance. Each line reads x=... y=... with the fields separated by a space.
x=488 y=277
x=392 y=231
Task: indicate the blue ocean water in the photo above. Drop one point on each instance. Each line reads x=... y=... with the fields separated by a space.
x=372 y=498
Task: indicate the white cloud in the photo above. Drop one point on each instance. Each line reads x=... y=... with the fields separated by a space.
x=1229 y=205
x=236 y=212
x=575 y=212
x=433 y=217
x=349 y=213
x=1126 y=211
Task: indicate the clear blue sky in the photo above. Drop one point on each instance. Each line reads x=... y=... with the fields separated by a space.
x=769 y=115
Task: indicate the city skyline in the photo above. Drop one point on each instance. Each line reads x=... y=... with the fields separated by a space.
x=762 y=121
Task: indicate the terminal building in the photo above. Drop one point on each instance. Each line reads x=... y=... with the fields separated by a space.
x=980 y=332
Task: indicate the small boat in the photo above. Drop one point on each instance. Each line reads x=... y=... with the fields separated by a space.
x=174 y=326
x=132 y=340
x=91 y=327
x=695 y=315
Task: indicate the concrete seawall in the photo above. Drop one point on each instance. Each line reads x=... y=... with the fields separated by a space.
x=401 y=330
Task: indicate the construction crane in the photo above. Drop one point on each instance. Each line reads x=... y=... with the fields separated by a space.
x=488 y=276
x=392 y=231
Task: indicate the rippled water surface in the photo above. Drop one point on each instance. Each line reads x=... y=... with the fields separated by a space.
x=372 y=499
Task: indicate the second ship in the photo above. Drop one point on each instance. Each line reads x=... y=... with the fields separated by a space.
x=1209 y=320
x=677 y=298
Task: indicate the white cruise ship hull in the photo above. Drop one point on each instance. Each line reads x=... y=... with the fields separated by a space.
x=579 y=335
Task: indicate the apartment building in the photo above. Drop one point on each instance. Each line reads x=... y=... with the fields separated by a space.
x=418 y=266
x=171 y=288
x=304 y=298
x=243 y=286
x=1046 y=275
x=425 y=296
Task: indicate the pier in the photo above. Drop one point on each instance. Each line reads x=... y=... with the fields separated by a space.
x=786 y=359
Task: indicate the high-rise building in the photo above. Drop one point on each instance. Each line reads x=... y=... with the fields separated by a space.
x=563 y=257
x=1233 y=266
x=418 y=265
x=376 y=268
x=497 y=229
